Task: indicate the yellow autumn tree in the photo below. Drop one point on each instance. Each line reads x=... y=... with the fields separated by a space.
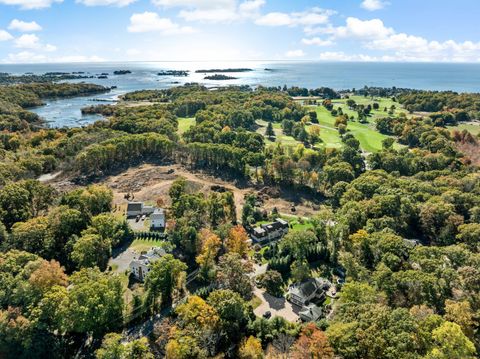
x=210 y=246
x=251 y=349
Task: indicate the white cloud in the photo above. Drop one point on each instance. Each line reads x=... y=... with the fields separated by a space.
x=151 y=22
x=32 y=57
x=25 y=56
x=5 y=36
x=217 y=11
x=31 y=4
x=295 y=53
x=317 y=41
x=312 y=17
x=198 y=4
x=27 y=41
x=341 y=56
x=24 y=26
x=32 y=41
x=119 y=3
x=374 y=35
x=359 y=29
x=372 y=5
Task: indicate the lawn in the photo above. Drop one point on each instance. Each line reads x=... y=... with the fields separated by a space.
x=370 y=139
x=473 y=128
x=296 y=223
x=141 y=245
x=184 y=123
x=255 y=302
x=288 y=141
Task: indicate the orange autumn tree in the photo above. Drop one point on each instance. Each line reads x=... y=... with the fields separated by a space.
x=237 y=241
x=312 y=343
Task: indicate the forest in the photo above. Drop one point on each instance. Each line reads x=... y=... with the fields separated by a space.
x=397 y=230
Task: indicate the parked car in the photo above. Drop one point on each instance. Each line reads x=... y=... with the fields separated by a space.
x=143 y=217
x=137 y=218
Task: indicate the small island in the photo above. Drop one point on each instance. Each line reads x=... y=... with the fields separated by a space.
x=122 y=72
x=223 y=70
x=175 y=73
x=219 y=77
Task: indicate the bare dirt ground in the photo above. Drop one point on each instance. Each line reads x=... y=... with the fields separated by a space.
x=150 y=182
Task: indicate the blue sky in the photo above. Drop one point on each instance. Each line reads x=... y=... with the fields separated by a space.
x=164 y=30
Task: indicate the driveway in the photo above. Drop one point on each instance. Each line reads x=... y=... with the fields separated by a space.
x=121 y=260
x=279 y=307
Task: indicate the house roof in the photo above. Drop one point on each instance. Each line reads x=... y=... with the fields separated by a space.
x=311 y=312
x=151 y=256
x=134 y=206
x=308 y=288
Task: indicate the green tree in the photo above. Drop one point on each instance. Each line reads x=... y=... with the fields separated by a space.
x=234 y=273
x=451 y=343
x=165 y=275
x=272 y=281
x=91 y=250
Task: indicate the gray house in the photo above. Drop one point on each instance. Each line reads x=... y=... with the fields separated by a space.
x=310 y=313
x=313 y=289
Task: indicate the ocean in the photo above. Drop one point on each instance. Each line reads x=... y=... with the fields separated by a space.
x=338 y=75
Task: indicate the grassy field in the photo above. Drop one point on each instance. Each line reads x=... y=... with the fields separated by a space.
x=184 y=123
x=473 y=128
x=279 y=136
x=370 y=139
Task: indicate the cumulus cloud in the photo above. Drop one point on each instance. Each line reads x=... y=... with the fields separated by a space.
x=312 y=17
x=30 y=4
x=5 y=36
x=372 y=5
x=152 y=22
x=317 y=41
x=24 y=26
x=374 y=35
x=119 y=3
x=295 y=53
x=32 y=41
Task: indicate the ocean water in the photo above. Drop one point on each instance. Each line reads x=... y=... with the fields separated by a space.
x=339 y=75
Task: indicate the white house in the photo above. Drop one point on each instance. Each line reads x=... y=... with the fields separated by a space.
x=157 y=219
x=140 y=266
x=270 y=232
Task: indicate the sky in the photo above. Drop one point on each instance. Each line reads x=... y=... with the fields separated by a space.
x=41 y=31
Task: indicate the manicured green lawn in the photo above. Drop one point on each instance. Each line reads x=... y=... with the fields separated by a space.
x=141 y=245
x=184 y=123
